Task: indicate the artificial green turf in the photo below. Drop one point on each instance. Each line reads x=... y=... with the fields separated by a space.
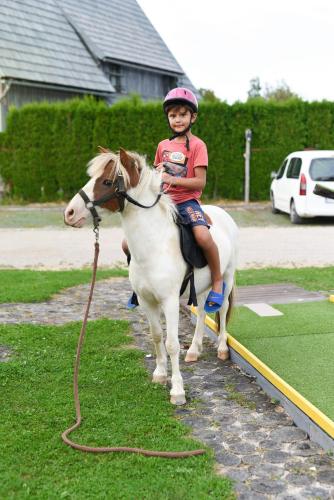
x=35 y=286
x=305 y=362
x=120 y=407
x=298 y=346
x=308 y=318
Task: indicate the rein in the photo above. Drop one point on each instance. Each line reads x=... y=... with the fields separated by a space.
x=65 y=434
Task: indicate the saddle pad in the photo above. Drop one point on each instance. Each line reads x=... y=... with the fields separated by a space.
x=191 y=252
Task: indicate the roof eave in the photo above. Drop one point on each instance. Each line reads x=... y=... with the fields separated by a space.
x=53 y=86
x=153 y=69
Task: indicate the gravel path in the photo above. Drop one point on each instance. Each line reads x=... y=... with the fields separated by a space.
x=255 y=441
x=294 y=246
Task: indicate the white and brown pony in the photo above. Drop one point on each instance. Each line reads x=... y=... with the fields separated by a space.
x=157 y=268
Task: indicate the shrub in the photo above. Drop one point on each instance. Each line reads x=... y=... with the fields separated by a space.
x=46 y=148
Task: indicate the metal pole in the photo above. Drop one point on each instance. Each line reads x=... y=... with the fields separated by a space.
x=248 y=136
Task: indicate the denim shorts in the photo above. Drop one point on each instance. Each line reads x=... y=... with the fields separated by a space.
x=192 y=213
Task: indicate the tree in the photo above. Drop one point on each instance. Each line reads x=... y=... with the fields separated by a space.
x=208 y=95
x=280 y=93
x=255 y=88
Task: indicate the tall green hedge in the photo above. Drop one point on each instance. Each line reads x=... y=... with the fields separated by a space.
x=46 y=147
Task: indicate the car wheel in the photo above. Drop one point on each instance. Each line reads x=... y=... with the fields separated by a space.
x=294 y=217
x=273 y=208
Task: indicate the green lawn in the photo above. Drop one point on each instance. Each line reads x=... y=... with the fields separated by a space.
x=35 y=286
x=120 y=407
x=29 y=217
x=310 y=278
x=298 y=346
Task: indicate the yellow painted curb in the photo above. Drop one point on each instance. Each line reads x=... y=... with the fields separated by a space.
x=308 y=408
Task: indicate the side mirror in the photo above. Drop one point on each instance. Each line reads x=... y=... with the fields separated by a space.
x=273 y=175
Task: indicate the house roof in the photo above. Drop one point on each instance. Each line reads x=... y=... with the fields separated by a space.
x=38 y=44
x=119 y=30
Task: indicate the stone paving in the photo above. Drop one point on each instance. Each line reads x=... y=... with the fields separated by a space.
x=255 y=441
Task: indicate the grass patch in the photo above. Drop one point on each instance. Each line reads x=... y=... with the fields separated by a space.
x=43 y=216
x=120 y=406
x=310 y=278
x=35 y=286
x=238 y=397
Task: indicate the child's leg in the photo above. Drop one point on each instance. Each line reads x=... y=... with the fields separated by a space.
x=125 y=247
x=133 y=300
x=204 y=240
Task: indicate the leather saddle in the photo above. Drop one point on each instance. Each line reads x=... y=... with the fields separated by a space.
x=194 y=257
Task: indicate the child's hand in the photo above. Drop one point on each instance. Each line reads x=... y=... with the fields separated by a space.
x=167 y=179
x=160 y=167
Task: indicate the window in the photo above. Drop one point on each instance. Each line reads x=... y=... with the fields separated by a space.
x=115 y=76
x=322 y=169
x=294 y=168
x=280 y=172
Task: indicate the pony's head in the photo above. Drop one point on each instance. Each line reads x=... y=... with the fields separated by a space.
x=109 y=172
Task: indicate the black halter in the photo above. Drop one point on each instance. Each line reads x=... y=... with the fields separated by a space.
x=119 y=193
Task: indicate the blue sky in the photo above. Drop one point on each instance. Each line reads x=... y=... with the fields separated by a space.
x=223 y=44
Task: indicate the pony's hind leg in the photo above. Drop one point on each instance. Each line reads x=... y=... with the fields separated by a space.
x=153 y=316
x=221 y=316
x=196 y=347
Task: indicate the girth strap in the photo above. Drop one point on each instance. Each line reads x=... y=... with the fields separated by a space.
x=189 y=278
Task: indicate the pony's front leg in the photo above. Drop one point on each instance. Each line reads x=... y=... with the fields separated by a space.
x=196 y=347
x=153 y=316
x=171 y=311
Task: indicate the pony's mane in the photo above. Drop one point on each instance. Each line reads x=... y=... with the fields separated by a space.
x=148 y=176
x=97 y=165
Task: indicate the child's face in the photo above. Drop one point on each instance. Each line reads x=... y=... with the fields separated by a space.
x=180 y=118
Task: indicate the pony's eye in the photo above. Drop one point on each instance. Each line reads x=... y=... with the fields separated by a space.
x=107 y=182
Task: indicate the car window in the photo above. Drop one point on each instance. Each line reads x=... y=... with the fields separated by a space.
x=294 y=168
x=322 y=169
x=280 y=172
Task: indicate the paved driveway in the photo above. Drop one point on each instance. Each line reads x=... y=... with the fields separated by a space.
x=293 y=246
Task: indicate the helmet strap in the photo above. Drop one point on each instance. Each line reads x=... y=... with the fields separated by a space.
x=180 y=134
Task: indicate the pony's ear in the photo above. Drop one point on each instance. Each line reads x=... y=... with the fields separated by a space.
x=126 y=160
x=103 y=150
x=130 y=165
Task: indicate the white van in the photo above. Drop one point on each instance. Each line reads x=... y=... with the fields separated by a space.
x=291 y=190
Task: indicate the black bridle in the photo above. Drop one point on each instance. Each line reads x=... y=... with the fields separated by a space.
x=119 y=193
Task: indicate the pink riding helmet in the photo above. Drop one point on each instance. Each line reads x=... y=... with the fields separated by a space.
x=181 y=95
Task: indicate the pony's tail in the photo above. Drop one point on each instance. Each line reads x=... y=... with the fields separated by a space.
x=230 y=305
x=229 y=310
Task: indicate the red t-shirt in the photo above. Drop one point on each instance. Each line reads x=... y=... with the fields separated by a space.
x=182 y=163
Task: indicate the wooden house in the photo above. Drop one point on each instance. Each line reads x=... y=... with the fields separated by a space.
x=58 y=49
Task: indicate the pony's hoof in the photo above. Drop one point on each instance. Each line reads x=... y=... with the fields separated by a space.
x=159 y=379
x=178 y=400
x=223 y=355
x=190 y=357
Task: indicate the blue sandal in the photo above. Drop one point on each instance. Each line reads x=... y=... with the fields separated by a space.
x=214 y=300
x=133 y=301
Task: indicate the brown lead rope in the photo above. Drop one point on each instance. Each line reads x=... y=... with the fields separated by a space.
x=92 y=449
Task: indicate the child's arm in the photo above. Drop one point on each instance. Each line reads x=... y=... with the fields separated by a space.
x=197 y=183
